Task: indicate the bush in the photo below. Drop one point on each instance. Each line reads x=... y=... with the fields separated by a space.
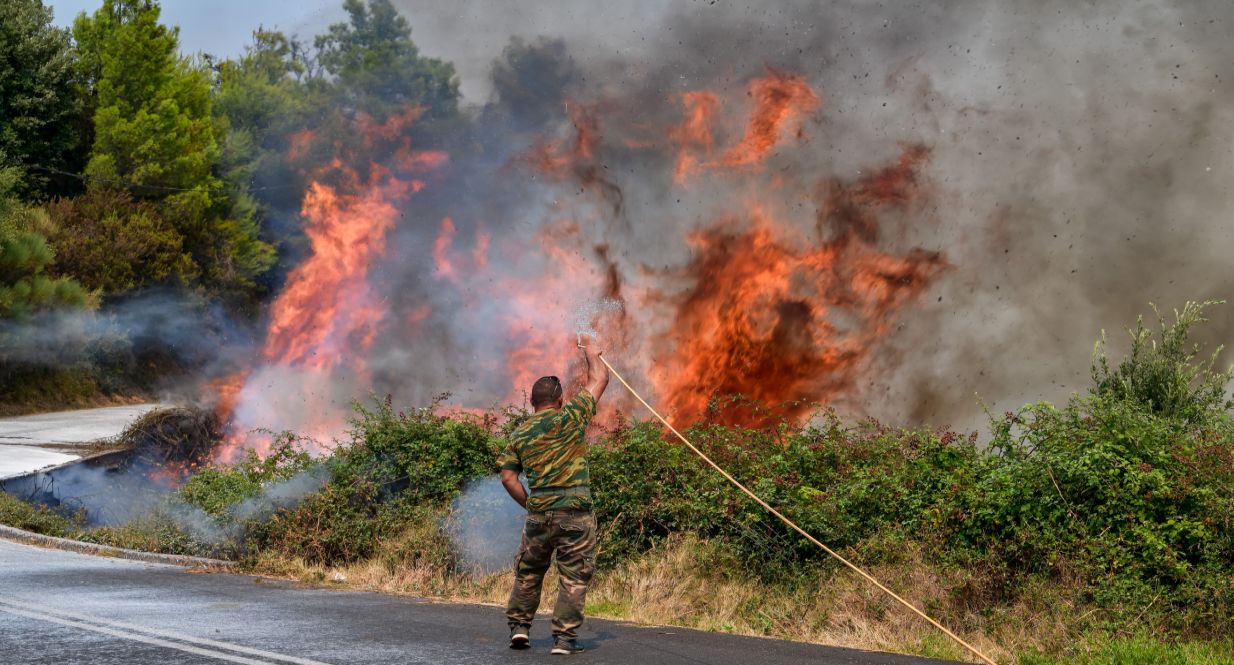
x=26 y=287
x=40 y=519
x=216 y=489
x=843 y=485
x=110 y=242
x=161 y=530
x=395 y=465
x=1163 y=375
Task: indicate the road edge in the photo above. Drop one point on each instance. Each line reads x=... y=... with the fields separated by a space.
x=94 y=549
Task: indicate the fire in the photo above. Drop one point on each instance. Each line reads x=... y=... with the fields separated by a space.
x=780 y=98
x=327 y=303
x=782 y=320
x=779 y=306
x=694 y=133
x=328 y=313
x=445 y=269
x=788 y=325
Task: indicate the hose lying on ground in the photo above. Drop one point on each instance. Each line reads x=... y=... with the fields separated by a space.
x=793 y=525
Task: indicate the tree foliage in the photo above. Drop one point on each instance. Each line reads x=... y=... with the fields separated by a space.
x=116 y=244
x=38 y=103
x=25 y=285
x=1163 y=372
x=154 y=126
x=377 y=67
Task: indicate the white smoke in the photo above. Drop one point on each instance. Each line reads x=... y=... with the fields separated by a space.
x=485 y=526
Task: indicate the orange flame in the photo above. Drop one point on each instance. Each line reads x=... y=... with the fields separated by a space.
x=780 y=98
x=694 y=133
x=788 y=326
x=759 y=309
x=327 y=310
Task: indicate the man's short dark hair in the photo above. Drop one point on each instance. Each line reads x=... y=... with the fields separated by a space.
x=546 y=390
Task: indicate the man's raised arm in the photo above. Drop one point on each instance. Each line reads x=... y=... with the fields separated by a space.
x=597 y=371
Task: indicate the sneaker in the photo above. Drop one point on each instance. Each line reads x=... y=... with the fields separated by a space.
x=518 y=636
x=566 y=647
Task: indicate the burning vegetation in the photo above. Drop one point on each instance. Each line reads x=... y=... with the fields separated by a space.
x=784 y=315
x=774 y=229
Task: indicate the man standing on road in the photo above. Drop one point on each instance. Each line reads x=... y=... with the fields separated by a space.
x=551 y=449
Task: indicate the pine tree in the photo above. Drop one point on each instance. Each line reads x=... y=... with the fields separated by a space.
x=153 y=127
x=25 y=286
x=379 y=69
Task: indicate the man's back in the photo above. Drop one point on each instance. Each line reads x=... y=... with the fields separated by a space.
x=551 y=448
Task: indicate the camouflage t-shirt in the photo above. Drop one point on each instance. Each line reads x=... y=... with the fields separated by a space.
x=550 y=448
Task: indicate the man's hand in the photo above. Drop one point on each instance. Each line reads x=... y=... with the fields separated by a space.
x=597 y=371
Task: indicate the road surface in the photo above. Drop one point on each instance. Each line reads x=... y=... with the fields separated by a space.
x=30 y=443
x=58 y=607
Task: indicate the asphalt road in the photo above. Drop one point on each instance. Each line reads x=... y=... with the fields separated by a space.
x=58 y=607
x=29 y=443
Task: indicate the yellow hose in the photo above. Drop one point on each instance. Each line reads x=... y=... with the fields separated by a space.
x=792 y=525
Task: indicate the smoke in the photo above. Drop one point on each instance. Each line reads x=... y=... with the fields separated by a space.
x=156 y=339
x=485 y=526
x=229 y=530
x=107 y=497
x=1080 y=158
x=1077 y=168
x=283 y=494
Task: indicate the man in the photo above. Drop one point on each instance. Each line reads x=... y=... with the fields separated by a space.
x=550 y=448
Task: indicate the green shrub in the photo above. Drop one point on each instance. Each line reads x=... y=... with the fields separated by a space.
x=26 y=287
x=110 y=242
x=1163 y=374
x=158 y=531
x=17 y=513
x=394 y=465
x=216 y=489
x=841 y=484
x=1142 y=650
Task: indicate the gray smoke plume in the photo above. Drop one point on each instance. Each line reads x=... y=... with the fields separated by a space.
x=229 y=530
x=1080 y=154
x=485 y=525
x=156 y=340
x=1080 y=168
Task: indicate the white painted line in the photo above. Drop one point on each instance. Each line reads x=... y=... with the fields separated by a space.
x=83 y=620
x=136 y=638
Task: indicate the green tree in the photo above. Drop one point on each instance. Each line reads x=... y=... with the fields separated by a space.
x=152 y=116
x=378 y=69
x=25 y=286
x=154 y=127
x=38 y=103
x=259 y=94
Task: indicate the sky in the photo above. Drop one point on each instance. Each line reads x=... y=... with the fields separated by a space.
x=468 y=33
x=224 y=27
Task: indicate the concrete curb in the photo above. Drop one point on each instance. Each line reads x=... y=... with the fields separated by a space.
x=52 y=542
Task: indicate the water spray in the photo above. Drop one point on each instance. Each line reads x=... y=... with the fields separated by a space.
x=792 y=525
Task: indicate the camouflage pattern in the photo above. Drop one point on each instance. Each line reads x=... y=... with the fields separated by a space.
x=571 y=534
x=551 y=450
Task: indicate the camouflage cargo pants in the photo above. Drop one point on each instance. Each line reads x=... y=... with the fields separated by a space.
x=571 y=534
